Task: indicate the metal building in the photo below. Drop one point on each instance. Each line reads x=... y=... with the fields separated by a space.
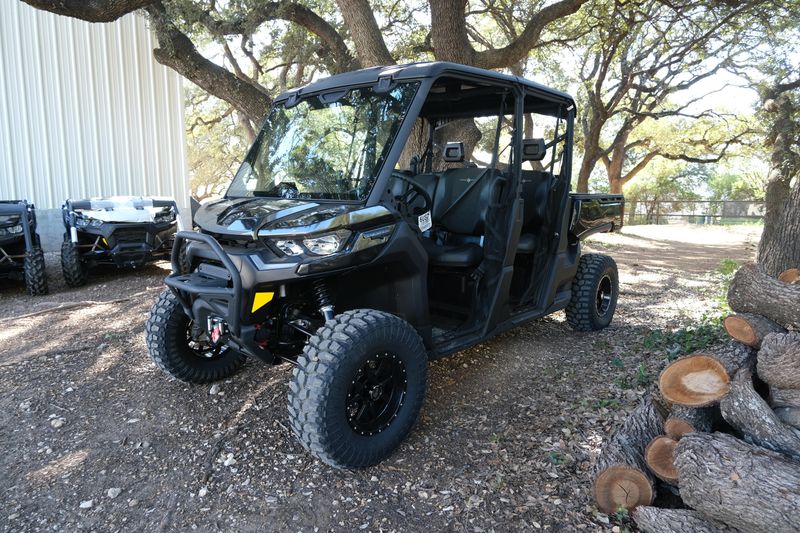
x=85 y=111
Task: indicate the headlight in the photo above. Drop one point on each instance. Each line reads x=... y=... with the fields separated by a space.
x=289 y=247
x=326 y=244
x=84 y=221
x=165 y=218
x=15 y=229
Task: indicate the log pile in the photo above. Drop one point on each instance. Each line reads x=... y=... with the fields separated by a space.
x=730 y=444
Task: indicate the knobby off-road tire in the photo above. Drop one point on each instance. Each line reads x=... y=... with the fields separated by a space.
x=72 y=266
x=594 y=293
x=325 y=390
x=167 y=335
x=35 y=273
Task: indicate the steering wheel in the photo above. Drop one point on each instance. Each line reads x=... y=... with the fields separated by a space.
x=414 y=192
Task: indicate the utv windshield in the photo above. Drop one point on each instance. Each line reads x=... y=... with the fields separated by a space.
x=326 y=147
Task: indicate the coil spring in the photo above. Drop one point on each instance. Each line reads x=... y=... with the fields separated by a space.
x=321 y=293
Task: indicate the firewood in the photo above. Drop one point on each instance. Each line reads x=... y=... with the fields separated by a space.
x=753 y=291
x=786 y=404
x=748 y=413
x=751 y=329
x=791 y=275
x=742 y=485
x=683 y=420
x=655 y=520
x=659 y=458
x=622 y=478
x=779 y=360
x=701 y=379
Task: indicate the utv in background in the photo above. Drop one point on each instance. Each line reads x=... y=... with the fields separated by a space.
x=21 y=255
x=384 y=218
x=122 y=231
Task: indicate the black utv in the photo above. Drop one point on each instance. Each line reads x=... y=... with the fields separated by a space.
x=122 y=231
x=384 y=218
x=21 y=255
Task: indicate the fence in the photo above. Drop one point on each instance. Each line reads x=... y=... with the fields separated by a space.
x=722 y=212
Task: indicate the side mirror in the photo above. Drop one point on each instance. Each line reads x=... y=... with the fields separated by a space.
x=533 y=149
x=453 y=152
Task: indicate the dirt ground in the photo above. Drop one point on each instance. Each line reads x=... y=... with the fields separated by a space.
x=95 y=438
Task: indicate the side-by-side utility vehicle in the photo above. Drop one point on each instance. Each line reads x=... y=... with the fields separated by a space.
x=381 y=219
x=21 y=255
x=126 y=231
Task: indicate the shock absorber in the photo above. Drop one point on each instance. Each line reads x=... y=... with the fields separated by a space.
x=323 y=299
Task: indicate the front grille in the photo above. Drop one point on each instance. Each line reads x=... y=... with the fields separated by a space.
x=128 y=235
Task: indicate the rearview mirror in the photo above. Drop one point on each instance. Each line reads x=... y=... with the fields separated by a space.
x=533 y=149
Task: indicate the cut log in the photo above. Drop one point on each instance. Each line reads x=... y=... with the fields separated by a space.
x=622 y=478
x=752 y=291
x=791 y=275
x=655 y=520
x=659 y=458
x=683 y=420
x=748 y=413
x=751 y=329
x=786 y=404
x=701 y=379
x=779 y=360
x=744 y=486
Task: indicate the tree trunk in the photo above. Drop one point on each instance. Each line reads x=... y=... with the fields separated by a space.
x=655 y=520
x=751 y=329
x=659 y=456
x=779 y=360
x=702 y=379
x=369 y=43
x=683 y=420
x=753 y=291
x=749 y=414
x=622 y=478
x=744 y=486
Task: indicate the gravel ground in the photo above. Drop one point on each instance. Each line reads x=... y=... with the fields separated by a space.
x=94 y=437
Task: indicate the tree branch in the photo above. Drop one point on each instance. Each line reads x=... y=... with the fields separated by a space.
x=90 y=10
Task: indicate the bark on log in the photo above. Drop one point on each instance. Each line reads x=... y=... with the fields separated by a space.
x=683 y=420
x=752 y=291
x=659 y=458
x=779 y=360
x=751 y=329
x=744 y=486
x=748 y=413
x=622 y=478
x=701 y=379
x=791 y=275
x=786 y=404
x=655 y=520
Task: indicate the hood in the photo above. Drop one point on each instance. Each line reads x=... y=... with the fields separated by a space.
x=242 y=216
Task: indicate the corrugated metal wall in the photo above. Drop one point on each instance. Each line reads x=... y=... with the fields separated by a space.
x=85 y=110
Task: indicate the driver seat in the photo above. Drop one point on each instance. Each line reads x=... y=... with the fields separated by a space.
x=465 y=255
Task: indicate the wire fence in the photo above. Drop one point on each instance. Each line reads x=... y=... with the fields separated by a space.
x=719 y=212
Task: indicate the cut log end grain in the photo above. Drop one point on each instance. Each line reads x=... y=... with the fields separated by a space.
x=791 y=275
x=677 y=428
x=659 y=456
x=622 y=486
x=683 y=420
x=750 y=329
x=694 y=381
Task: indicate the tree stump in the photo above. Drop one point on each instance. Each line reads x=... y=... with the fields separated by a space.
x=748 y=413
x=683 y=420
x=750 y=329
x=744 y=486
x=659 y=458
x=655 y=520
x=779 y=360
x=701 y=379
x=752 y=291
x=622 y=478
x=791 y=275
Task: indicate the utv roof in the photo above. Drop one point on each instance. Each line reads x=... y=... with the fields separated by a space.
x=413 y=71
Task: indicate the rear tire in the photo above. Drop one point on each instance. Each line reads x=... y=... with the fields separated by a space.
x=358 y=388
x=72 y=266
x=594 y=293
x=35 y=273
x=174 y=351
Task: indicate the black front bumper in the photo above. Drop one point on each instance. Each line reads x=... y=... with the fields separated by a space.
x=126 y=245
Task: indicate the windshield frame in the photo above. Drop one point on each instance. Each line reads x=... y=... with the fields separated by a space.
x=392 y=154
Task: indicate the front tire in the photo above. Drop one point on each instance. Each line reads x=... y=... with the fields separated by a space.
x=594 y=293
x=182 y=352
x=35 y=273
x=358 y=388
x=72 y=266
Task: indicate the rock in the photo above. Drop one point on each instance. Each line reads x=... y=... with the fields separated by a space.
x=114 y=492
x=87 y=504
x=202 y=492
x=57 y=422
x=214 y=389
x=229 y=460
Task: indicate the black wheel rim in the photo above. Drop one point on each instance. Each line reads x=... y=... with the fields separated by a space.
x=376 y=394
x=604 y=295
x=201 y=346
